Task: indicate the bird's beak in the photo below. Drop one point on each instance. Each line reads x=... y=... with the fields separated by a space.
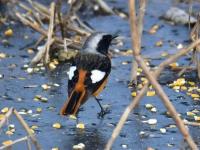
x=114 y=36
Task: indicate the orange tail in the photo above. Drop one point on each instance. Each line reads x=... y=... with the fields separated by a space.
x=73 y=103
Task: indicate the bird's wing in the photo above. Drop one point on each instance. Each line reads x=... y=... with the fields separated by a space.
x=98 y=68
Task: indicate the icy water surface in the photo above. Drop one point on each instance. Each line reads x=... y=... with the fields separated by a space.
x=14 y=91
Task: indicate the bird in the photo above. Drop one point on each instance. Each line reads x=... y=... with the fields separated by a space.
x=88 y=73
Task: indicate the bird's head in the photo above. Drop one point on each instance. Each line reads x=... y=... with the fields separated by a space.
x=98 y=43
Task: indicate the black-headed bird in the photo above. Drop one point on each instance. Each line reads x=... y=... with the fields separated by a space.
x=88 y=73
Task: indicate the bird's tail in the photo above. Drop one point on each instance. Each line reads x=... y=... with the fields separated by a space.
x=73 y=103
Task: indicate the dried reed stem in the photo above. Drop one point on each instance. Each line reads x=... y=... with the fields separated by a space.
x=14 y=142
x=153 y=77
x=142 y=92
x=137 y=34
x=26 y=127
x=186 y=122
x=160 y=92
x=6 y=117
x=50 y=32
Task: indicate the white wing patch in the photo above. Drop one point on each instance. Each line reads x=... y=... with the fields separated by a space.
x=71 y=71
x=97 y=75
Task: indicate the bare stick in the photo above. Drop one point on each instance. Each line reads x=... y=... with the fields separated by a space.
x=29 y=144
x=123 y=118
x=167 y=103
x=186 y=122
x=142 y=92
x=136 y=100
x=134 y=69
x=136 y=32
x=6 y=117
x=73 y=44
x=141 y=19
x=144 y=89
x=14 y=142
x=38 y=57
x=58 y=10
x=105 y=7
x=42 y=38
x=50 y=32
x=26 y=127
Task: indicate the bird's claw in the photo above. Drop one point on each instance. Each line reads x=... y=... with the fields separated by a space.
x=103 y=113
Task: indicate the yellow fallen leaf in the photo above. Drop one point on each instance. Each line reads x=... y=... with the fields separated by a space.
x=149 y=106
x=163 y=130
x=153 y=109
x=79 y=146
x=34 y=127
x=195 y=95
x=55 y=61
x=129 y=52
x=38 y=110
x=195 y=111
x=144 y=80
x=52 y=66
x=139 y=70
x=9 y=132
x=8 y=142
x=2 y=55
x=159 y=43
x=164 y=54
x=57 y=125
x=179 y=82
x=139 y=86
x=45 y=86
x=80 y=126
x=8 y=32
x=190 y=114
x=32 y=131
x=154 y=29
x=5 y=110
x=190 y=89
x=72 y=117
x=2 y=116
x=151 y=93
x=183 y=88
x=176 y=87
x=196 y=99
x=55 y=148
x=77 y=38
x=133 y=94
x=197 y=118
x=30 y=51
x=191 y=83
x=174 y=65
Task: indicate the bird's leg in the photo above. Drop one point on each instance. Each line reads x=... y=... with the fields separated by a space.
x=103 y=112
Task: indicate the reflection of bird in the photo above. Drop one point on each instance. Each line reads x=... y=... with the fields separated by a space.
x=88 y=73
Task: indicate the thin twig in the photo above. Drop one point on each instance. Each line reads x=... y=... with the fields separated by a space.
x=186 y=122
x=135 y=102
x=26 y=127
x=14 y=142
x=75 y=44
x=50 y=32
x=160 y=92
x=6 y=117
x=135 y=32
x=104 y=6
x=29 y=144
x=123 y=118
x=58 y=10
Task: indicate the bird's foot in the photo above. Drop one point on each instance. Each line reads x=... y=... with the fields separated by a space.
x=103 y=113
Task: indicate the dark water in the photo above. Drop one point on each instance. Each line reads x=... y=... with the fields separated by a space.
x=117 y=95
